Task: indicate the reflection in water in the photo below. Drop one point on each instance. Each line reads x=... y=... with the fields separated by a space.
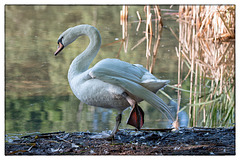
x=151 y=52
x=182 y=116
x=101 y=117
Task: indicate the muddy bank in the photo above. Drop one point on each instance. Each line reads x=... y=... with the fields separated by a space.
x=188 y=141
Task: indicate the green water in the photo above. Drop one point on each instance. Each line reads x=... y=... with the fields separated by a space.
x=38 y=97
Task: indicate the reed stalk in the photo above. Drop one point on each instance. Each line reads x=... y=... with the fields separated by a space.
x=124 y=23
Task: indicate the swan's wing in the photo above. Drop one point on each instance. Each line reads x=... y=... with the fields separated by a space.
x=118 y=68
x=133 y=72
x=129 y=81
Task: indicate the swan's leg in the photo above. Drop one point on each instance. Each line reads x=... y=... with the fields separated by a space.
x=118 y=121
x=132 y=102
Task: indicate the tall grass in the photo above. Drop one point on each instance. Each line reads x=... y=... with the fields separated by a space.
x=207 y=49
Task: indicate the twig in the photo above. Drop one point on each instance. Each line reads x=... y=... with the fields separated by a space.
x=174 y=34
x=138 y=43
x=155 y=129
x=43 y=134
x=29 y=149
x=139 y=17
x=108 y=44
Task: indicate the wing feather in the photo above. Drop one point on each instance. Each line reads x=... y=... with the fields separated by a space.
x=117 y=68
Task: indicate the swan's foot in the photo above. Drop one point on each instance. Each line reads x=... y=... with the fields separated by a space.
x=136 y=117
x=114 y=131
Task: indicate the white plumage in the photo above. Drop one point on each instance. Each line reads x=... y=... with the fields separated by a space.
x=111 y=83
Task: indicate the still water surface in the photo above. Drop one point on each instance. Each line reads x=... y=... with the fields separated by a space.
x=38 y=97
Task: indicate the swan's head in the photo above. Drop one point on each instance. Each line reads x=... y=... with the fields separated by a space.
x=66 y=38
x=71 y=34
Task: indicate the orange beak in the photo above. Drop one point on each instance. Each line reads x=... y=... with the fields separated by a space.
x=60 y=48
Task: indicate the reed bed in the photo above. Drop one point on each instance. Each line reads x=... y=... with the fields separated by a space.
x=207 y=50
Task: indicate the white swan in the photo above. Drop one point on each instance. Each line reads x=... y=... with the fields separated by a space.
x=111 y=83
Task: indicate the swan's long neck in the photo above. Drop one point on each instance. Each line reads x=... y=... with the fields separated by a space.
x=83 y=60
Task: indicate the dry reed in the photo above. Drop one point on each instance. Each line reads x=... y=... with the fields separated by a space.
x=206 y=36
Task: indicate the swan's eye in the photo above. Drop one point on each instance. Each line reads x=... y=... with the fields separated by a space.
x=59 y=40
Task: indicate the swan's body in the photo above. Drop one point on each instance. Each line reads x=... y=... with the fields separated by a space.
x=96 y=92
x=111 y=83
